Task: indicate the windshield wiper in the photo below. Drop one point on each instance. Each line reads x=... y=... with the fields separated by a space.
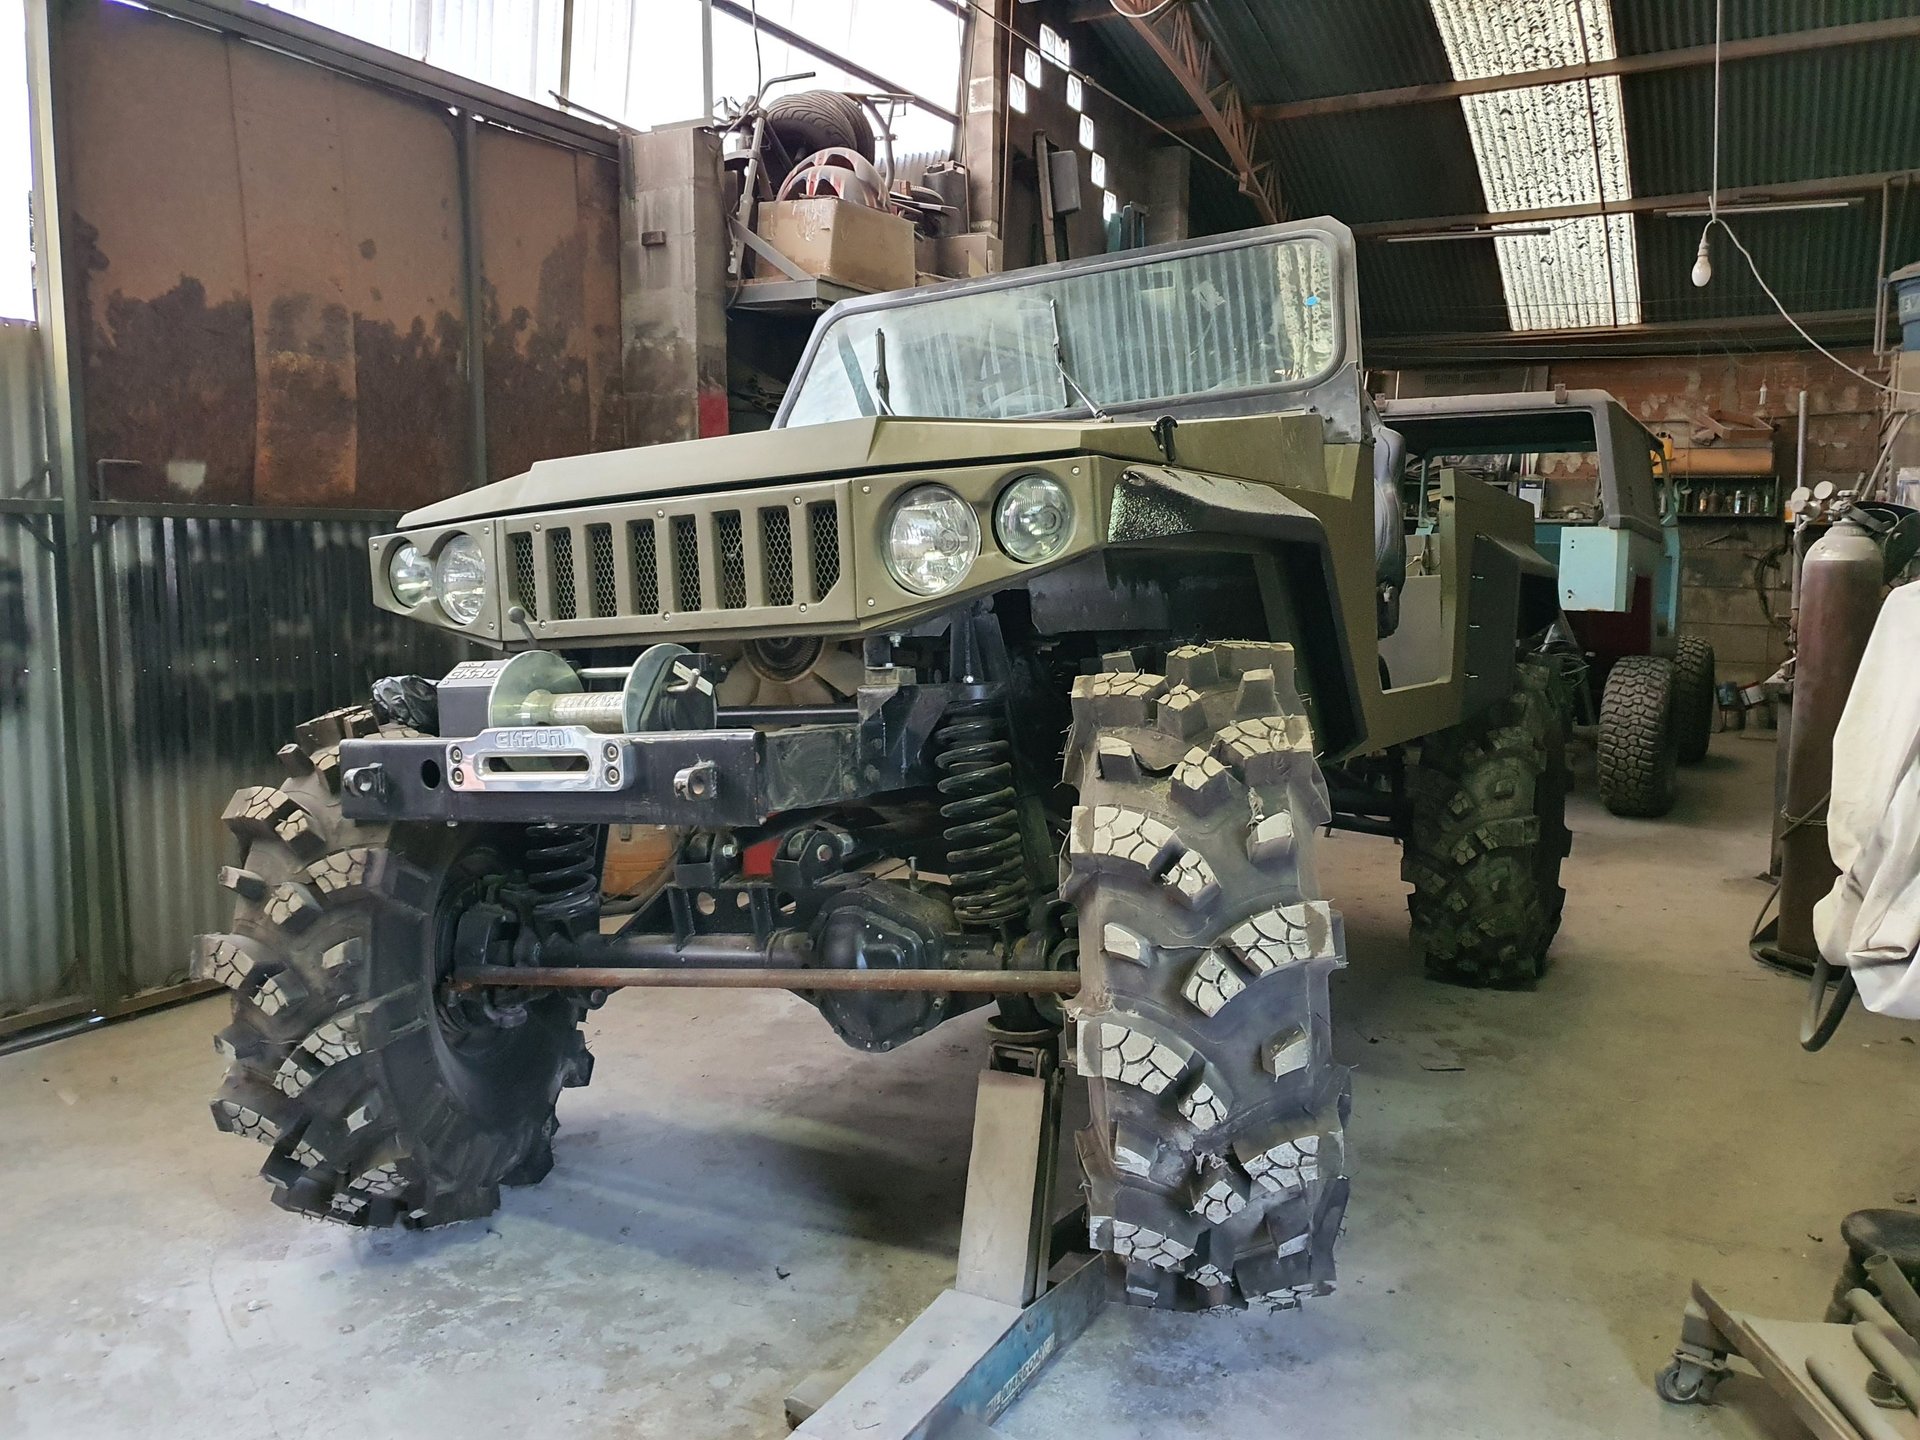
x=1060 y=363
x=882 y=385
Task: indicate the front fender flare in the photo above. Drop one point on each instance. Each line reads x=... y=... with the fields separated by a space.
x=1154 y=504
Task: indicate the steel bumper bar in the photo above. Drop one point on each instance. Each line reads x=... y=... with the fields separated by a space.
x=569 y=774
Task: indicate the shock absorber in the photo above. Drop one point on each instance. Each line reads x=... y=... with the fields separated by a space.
x=986 y=863
x=563 y=871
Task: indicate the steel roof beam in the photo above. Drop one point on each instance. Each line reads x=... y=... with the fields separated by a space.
x=1759 y=47
x=1176 y=41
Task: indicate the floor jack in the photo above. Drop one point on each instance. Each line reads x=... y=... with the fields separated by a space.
x=1025 y=1286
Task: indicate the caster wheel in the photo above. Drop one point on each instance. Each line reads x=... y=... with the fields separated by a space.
x=1685 y=1382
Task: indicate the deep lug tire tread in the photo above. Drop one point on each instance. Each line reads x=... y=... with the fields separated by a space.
x=1693 y=703
x=1637 y=748
x=1215 y=1159
x=1488 y=832
x=326 y=1048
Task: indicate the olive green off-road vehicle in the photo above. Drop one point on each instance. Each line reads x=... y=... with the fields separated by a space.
x=1029 y=650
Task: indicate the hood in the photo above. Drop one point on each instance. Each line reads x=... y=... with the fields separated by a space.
x=772 y=456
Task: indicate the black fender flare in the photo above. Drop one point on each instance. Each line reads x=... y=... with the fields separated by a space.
x=1157 y=503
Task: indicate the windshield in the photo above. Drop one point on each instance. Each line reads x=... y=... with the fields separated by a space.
x=1245 y=318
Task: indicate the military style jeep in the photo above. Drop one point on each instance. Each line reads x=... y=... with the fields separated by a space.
x=1023 y=658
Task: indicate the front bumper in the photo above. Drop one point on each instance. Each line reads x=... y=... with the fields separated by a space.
x=568 y=774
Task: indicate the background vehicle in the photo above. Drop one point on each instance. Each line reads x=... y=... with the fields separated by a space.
x=844 y=659
x=1615 y=541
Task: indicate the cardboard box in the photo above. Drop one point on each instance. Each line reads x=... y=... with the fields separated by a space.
x=852 y=245
x=965 y=256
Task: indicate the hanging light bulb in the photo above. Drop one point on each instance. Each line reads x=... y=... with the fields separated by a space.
x=1702 y=264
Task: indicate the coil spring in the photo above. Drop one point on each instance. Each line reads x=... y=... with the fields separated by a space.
x=563 y=871
x=986 y=863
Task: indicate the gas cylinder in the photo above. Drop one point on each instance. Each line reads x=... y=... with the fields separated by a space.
x=1842 y=581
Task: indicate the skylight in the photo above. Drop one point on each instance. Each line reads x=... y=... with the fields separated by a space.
x=1545 y=146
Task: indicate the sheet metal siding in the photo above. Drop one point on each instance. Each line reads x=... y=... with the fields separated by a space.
x=1786 y=117
x=222 y=635
x=1646 y=26
x=1309 y=48
x=37 y=960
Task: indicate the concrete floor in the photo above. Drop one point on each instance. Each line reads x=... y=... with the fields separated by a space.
x=741 y=1200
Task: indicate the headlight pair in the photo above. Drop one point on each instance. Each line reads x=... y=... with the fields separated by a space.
x=933 y=538
x=456 y=577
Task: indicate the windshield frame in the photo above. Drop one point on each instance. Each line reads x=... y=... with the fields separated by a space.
x=1330 y=386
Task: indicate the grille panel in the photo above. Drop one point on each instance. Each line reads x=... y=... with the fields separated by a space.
x=646 y=569
x=823 y=532
x=686 y=562
x=776 y=546
x=732 y=559
x=606 y=586
x=560 y=574
x=760 y=559
x=524 y=584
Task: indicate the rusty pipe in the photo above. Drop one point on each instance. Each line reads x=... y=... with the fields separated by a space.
x=973 y=982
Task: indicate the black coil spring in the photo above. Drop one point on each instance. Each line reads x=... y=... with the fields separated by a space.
x=563 y=870
x=986 y=863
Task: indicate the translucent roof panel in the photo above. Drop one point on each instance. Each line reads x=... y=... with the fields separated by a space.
x=1545 y=146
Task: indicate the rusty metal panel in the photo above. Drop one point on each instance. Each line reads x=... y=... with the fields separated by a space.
x=546 y=219
x=167 y=341
x=221 y=636
x=275 y=294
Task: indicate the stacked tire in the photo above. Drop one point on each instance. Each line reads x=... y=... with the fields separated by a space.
x=1655 y=715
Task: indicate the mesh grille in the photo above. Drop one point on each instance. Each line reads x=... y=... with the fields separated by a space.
x=606 y=591
x=646 y=569
x=776 y=548
x=823 y=532
x=686 y=562
x=732 y=560
x=520 y=578
x=560 y=562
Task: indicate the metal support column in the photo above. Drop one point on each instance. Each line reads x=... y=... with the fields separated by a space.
x=473 y=357
x=978 y=1345
x=93 y=833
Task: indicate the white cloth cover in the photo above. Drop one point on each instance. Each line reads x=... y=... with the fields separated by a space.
x=1870 y=920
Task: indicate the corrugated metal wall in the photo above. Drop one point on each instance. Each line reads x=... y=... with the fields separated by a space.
x=221 y=636
x=38 y=964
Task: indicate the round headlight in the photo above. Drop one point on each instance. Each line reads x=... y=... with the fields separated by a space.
x=409 y=575
x=932 y=540
x=1034 y=518
x=460 y=579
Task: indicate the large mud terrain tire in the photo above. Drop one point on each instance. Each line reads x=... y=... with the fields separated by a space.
x=1692 y=699
x=1215 y=1161
x=382 y=1099
x=1637 y=749
x=1489 y=830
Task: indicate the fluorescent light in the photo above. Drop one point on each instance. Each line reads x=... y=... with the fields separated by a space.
x=1076 y=93
x=1465 y=232
x=1766 y=207
x=1086 y=132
